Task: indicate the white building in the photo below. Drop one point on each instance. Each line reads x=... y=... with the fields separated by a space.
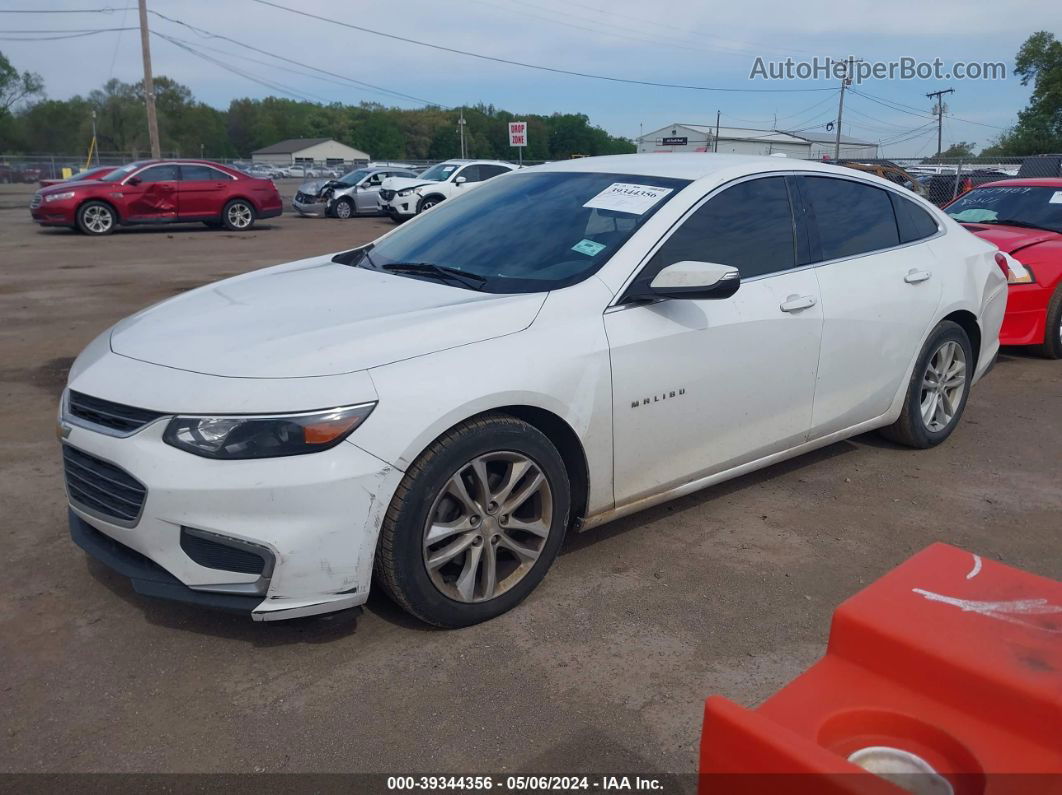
x=748 y=141
x=310 y=151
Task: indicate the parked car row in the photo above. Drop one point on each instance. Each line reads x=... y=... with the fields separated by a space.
x=652 y=326
x=154 y=192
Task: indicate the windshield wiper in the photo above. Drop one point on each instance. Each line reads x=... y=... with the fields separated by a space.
x=1016 y=222
x=442 y=272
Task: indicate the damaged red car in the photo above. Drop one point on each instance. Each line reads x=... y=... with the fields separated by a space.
x=158 y=192
x=1023 y=218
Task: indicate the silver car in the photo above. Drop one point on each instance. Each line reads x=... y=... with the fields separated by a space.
x=352 y=194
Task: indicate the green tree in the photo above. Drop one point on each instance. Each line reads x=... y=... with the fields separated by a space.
x=16 y=87
x=1039 y=126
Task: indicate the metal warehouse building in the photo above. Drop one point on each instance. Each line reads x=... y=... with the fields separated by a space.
x=309 y=151
x=747 y=141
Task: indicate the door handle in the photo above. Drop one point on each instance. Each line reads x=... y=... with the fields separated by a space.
x=915 y=276
x=796 y=303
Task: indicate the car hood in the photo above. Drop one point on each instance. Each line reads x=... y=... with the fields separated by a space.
x=401 y=183
x=315 y=318
x=1010 y=239
x=81 y=183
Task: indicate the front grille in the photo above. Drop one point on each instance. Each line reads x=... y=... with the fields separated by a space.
x=117 y=417
x=35 y=202
x=101 y=487
x=387 y=195
x=215 y=555
x=300 y=197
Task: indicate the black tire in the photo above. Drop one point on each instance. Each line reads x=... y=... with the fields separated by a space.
x=398 y=219
x=96 y=218
x=238 y=215
x=344 y=208
x=1052 y=345
x=428 y=202
x=400 y=564
x=911 y=428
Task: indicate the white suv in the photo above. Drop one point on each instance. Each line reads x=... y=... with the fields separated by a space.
x=403 y=198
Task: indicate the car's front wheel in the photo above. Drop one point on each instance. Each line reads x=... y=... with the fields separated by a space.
x=96 y=218
x=428 y=203
x=1052 y=346
x=344 y=208
x=237 y=215
x=939 y=387
x=475 y=523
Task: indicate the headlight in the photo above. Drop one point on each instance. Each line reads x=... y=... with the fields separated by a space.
x=406 y=192
x=54 y=197
x=230 y=437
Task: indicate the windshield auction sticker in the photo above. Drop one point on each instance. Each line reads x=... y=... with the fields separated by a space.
x=625 y=197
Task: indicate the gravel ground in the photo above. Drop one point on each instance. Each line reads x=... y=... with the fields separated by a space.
x=604 y=668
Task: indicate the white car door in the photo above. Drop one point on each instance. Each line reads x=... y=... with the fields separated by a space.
x=700 y=386
x=879 y=296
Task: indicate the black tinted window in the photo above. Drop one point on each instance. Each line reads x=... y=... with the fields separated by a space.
x=158 y=174
x=190 y=173
x=486 y=172
x=748 y=226
x=851 y=218
x=470 y=173
x=913 y=222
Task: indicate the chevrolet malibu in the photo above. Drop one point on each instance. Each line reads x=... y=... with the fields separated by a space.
x=568 y=344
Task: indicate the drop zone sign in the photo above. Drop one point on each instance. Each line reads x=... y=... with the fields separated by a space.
x=518 y=133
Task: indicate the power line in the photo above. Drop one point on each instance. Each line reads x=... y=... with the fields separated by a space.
x=63 y=36
x=538 y=67
x=210 y=35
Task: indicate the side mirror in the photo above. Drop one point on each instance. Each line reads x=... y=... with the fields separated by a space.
x=460 y=181
x=133 y=181
x=692 y=280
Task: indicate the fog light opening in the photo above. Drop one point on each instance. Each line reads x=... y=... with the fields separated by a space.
x=902 y=768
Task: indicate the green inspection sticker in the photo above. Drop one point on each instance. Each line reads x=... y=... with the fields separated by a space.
x=588 y=247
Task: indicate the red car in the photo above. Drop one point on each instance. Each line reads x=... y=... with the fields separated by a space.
x=156 y=192
x=1023 y=218
x=99 y=172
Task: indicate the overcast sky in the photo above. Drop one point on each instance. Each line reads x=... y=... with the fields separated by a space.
x=680 y=41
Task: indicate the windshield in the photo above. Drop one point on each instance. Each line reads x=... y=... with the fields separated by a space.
x=1017 y=205
x=438 y=172
x=121 y=173
x=529 y=232
x=354 y=177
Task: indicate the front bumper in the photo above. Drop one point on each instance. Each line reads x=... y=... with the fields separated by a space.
x=318 y=515
x=55 y=214
x=401 y=206
x=315 y=209
x=1026 y=318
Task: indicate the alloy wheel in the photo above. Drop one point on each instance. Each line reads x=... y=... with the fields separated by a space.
x=487 y=526
x=943 y=385
x=343 y=209
x=98 y=219
x=240 y=215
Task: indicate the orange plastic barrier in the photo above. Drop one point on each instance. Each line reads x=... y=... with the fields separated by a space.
x=952 y=658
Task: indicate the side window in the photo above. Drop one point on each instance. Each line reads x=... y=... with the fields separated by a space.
x=470 y=173
x=165 y=173
x=191 y=173
x=851 y=218
x=748 y=226
x=486 y=172
x=913 y=222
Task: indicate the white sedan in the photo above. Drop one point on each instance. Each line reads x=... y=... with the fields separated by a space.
x=566 y=345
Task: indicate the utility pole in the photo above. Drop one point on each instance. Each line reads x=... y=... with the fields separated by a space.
x=461 y=129
x=149 y=84
x=939 y=110
x=717 y=114
x=845 y=82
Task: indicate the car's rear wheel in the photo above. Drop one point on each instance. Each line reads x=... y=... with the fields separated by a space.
x=475 y=523
x=939 y=387
x=344 y=208
x=96 y=218
x=1052 y=345
x=238 y=215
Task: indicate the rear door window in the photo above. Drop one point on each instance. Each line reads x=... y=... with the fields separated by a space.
x=851 y=217
x=197 y=173
x=913 y=222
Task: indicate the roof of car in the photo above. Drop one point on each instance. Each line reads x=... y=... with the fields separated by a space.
x=1028 y=182
x=689 y=166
